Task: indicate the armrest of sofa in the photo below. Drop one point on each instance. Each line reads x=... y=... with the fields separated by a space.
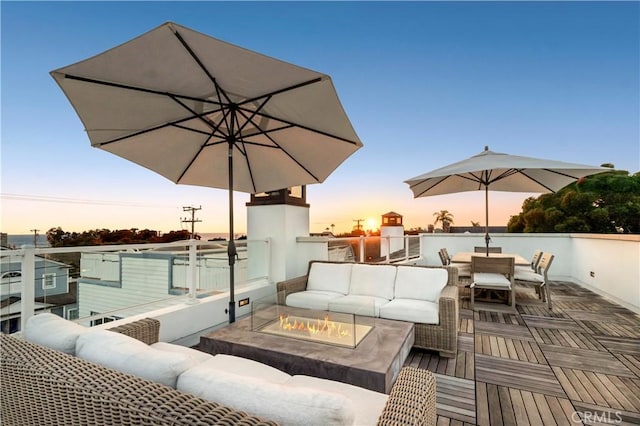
x=146 y=330
x=453 y=275
x=412 y=400
x=294 y=285
x=448 y=307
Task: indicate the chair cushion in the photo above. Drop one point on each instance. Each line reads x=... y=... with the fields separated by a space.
x=195 y=355
x=488 y=279
x=333 y=277
x=312 y=299
x=373 y=280
x=411 y=310
x=128 y=355
x=420 y=283
x=523 y=275
x=246 y=367
x=287 y=405
x=54 y=332
x=368 y=404
x=358 y=305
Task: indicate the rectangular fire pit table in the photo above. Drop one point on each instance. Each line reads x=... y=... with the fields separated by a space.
x=373 y=364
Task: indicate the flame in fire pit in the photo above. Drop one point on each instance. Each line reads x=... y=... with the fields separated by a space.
x=320 y=326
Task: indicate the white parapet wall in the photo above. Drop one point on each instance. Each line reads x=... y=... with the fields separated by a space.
x=608 y=265
x=613 y=259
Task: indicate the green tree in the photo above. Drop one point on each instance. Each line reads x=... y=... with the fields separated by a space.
x=604 y=203
x=57 y=237
x=444 y=217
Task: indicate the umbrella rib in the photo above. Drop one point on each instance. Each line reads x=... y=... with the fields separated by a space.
x=540 y=183
x=292 y=124
x=213 y=79
x=140 y=89
x=283 y=90
x=186 y=169
x=199 y=62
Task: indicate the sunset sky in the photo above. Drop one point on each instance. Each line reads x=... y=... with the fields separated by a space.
x=424 y=84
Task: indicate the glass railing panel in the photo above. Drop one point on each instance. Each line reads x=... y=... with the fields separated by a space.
x=96 y=284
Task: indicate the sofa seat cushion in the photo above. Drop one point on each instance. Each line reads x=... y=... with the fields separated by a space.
x=246 y=368
x=312 y=299
x=411 y=310
x=128 y=355
x=373 y=280
x=54 y=332
x=368 y=404
x=332 y=277
x=413 y=282
x=286 y=405
x=195 y=355
x=489 y=279
x=358 y=305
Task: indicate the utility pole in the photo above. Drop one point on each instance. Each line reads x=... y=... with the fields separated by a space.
x=193 y=220
x=35 y=236
x=358 y=227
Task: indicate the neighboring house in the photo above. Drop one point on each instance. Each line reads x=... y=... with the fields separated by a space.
x=53 y=291
x=129 y=281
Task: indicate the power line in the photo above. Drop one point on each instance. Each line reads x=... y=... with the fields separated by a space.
x=48 y=199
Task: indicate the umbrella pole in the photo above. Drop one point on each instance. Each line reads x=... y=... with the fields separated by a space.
x=486 y=217
x=231 y=247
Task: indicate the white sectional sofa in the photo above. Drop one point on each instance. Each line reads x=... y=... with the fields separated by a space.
x=239 y=383
x=426 y=296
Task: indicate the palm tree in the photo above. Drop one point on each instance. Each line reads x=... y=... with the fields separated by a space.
x=445 y=218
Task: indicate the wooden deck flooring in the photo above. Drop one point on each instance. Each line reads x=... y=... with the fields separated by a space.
x=576 y=364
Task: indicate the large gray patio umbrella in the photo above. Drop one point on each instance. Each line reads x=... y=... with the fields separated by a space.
x=499 y=172
x=200 y=111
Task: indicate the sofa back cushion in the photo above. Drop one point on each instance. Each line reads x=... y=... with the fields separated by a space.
x=284 y=404
x=414 y=282
x=54 y=332
x=373 y=280
x=333 y=277
x=128 y=355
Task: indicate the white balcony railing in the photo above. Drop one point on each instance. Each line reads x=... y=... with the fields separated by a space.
x=193 y=295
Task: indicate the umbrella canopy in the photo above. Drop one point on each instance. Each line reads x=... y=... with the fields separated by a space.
x=499 y=172
x=200 y=111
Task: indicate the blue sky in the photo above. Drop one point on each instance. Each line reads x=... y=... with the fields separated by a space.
x=425 y=84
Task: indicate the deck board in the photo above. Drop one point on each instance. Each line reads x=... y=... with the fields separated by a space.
x=535 y=366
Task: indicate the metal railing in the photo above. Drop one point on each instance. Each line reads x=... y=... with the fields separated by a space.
x=374 y=249
x=99 y=283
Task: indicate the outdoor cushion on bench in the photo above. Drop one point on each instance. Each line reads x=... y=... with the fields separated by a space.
x=126 y=354
x=54 y=332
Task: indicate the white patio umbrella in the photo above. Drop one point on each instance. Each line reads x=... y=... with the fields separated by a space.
x=200 y=111
x=499 y=172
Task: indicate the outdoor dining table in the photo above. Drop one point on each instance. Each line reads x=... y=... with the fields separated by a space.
x=465 y=257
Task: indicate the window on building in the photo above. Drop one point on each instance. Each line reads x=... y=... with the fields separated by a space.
x=73 y=314
x=11 y=274
x=48 y=281
x=102 y=320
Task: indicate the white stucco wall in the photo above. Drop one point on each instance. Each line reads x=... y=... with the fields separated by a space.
x=282 y=224
x=614 y=259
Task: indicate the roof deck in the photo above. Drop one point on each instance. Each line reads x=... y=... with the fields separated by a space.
x=578 y=363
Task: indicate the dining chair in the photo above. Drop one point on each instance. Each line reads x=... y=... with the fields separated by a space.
x=478 y=249
x=493 y=273
x=533 y=266
x=464 y=269
x=538 y=278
